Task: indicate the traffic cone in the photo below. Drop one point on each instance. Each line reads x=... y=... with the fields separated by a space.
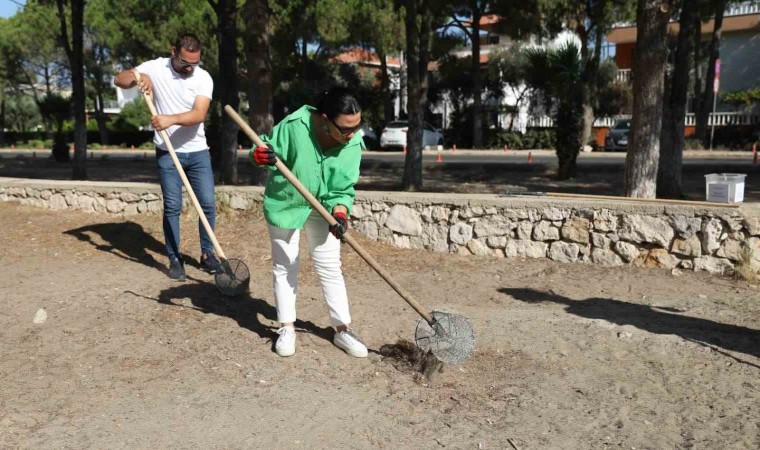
x=240 y=148
x=453 y=149
x=145 y=155
x=754 y=160
x=13 y=146
x=754 y=148
x=530 y=157
x=439 y=158
x=132 y=147
x=405 y=149
x=505 y=148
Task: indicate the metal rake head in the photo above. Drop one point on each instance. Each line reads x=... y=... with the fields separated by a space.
x=451 y=337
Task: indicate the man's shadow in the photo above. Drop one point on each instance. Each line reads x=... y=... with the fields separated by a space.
x=244 y=309
x=127 y=240
x=654 y=320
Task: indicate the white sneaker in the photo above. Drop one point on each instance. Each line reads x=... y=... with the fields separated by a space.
x=351 y=344
x=286 y=343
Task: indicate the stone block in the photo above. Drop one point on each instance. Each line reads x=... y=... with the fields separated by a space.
x=605 y=220
x=685 y=227
x=713 y=265
x=641 y=229
x=576 y=230
x=712 y=231
x=460 y=233
x=524 y=230
x=404 y=220
x=493 y=226
x=627 y=251
x=606 y=257
x=564 y=252
x=545 y=231
x=525 y=248
x=687 y=246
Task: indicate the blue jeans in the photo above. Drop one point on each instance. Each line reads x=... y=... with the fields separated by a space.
x=197 y=167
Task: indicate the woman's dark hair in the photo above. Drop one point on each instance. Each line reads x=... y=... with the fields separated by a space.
x=336 y=101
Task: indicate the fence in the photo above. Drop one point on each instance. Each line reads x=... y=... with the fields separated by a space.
x=718 y=119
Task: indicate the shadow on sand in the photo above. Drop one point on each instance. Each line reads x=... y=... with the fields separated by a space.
x=655 y=320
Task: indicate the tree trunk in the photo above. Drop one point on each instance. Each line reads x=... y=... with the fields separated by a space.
x=226 y=12
x=697 y=98
x=403 y=96
x=648 y=73
x=385 y=83
x=417 y=44
x=707 y=97
x=2 y=119
x=259 y=75
x=477 y=78
x=672 y=142
x=590 y=66
x=100 y=116
x=75 y=52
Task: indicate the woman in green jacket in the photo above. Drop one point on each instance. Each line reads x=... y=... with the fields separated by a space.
x=322 y=147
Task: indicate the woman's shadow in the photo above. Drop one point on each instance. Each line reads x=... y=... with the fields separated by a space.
x=244 y=309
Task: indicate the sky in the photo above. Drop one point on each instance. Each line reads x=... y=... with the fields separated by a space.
x=8 y=8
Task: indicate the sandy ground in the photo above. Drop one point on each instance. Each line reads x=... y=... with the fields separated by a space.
x=568 y=356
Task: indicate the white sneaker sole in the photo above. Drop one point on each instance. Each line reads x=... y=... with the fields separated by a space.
x=286 y=352
x=354 y=353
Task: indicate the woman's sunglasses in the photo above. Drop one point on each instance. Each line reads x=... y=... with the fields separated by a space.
x=346 y=131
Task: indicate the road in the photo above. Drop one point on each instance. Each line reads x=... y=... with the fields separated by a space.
x=545 y=158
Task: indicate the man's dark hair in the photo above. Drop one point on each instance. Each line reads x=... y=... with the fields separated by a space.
x=338 y=100
x=189 y=42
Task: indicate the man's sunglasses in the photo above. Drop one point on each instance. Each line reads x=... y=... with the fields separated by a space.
x=346 y=131
x=183 y=64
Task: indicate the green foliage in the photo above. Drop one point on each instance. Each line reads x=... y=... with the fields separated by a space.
x=56 y=109
x=746 y=97
x=558 y=74
x=21 y=114
x=134 y=116
x=514 y=140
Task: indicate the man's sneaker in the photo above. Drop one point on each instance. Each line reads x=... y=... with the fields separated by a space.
x=286 y=343
x=351 y=344
x=176 y=270
x=210 y=263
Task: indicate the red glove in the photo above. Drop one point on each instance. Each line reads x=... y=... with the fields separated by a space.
x=264 y=156
x=340 y=228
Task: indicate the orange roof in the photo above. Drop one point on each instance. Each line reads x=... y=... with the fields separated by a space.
x=362 y=56
x=486 y=22
x=733 y=23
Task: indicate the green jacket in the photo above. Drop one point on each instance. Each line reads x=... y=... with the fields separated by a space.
x=330 y=175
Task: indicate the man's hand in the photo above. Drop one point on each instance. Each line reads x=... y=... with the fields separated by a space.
x=341 y=226
x=161 y=122
x=264 y=156
x=144 y=83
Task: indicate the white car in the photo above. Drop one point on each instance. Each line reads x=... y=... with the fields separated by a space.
x=394 y=135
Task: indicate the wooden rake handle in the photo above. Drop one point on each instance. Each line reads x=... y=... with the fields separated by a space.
x=165 y=136
x=331 y=220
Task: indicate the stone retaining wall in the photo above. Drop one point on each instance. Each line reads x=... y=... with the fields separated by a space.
x=713 y=239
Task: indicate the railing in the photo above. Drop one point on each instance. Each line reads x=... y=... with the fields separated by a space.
x=623 y=76
x=750 y=7
x=718 y=119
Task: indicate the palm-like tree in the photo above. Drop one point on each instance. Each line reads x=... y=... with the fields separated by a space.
x=558 y=74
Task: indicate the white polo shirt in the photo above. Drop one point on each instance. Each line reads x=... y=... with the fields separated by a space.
x=175 y=94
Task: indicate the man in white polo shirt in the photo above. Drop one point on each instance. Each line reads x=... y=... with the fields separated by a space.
x=182 y=95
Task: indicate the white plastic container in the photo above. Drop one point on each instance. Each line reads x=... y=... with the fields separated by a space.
x=725 y=187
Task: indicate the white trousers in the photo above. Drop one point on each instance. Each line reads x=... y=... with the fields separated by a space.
x=325 y=253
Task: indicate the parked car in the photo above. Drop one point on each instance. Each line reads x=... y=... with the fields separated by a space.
x=370 y=137
x=394 y=135
x=617 y=136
